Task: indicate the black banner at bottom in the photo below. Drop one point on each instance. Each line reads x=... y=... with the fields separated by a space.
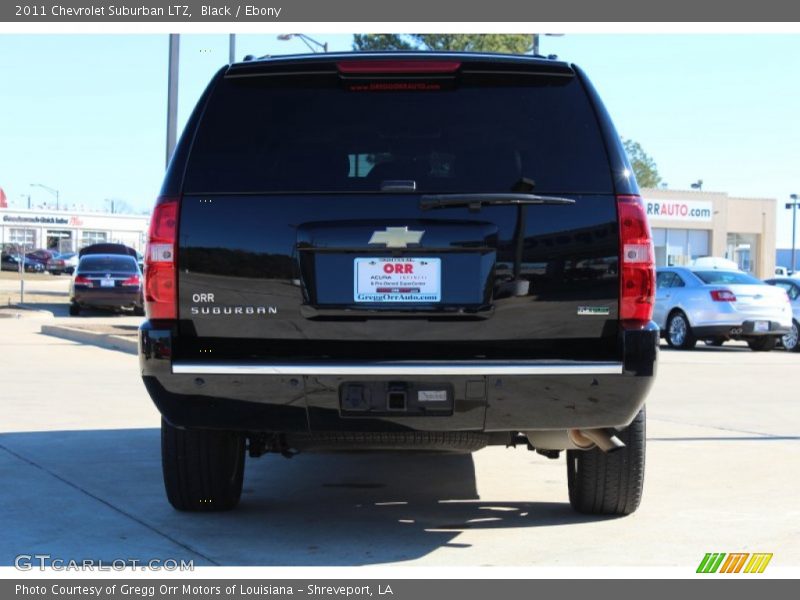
x=388 y=589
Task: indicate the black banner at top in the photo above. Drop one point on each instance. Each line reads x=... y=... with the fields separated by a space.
x=441 y=11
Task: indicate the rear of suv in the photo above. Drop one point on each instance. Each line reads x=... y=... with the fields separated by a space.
x=400 y=251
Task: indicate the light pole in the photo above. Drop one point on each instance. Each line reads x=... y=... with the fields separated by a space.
x=305 y=39
x=172 y=93
x=793 y=205
x=49 y=189
x=232 y=48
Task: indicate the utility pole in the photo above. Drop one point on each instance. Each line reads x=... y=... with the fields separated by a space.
x=232 y=48
x=793 y=205
x=172 y=94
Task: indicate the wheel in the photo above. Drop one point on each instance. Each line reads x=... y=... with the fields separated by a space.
x=138 y=311
x=790 y=340
x=203 y=469
x=74 y=309
x=764 y=343
x=679 y=333
x=716 y=342
x=609 y=484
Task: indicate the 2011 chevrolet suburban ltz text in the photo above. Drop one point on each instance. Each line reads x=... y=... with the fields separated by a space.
x=400 y=251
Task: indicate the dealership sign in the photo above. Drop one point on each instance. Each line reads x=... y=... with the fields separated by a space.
x=678 y=210
x=72 y=221
x=36 y=220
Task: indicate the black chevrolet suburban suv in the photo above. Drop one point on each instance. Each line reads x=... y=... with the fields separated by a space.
x=424 y=251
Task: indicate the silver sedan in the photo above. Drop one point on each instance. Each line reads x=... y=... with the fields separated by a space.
x=718 y=305
x=792 y=287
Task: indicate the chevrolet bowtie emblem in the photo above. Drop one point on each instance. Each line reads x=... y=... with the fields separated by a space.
x=396 y=237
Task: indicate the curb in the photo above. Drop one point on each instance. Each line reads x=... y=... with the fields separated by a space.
x=30 y=309
x=103 y=340
x=18 y=311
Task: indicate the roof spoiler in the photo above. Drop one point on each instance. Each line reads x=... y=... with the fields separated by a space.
x=385 y=63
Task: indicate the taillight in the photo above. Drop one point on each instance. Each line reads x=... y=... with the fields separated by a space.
x=133 y=280
x=637 y=273
x=83 y=280
x=160 y=281
x=376 y=67
x=723 y=296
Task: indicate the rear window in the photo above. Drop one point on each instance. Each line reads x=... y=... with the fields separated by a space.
x=257 y=136
x=121 y=264
x=726 y=277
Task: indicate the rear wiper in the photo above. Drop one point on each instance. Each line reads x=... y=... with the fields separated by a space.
x=475 y=201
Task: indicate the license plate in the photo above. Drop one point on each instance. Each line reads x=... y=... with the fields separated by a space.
x=106 y=283
x=761 y=326
x=390 y=279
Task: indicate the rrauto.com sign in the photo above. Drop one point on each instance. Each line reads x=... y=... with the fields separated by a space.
x=678 y=210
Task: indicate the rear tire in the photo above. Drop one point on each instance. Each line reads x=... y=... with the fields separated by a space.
x=138 y=311
x=679 y=332
x=74 y=309
x=762 y=344
x=609 y=484
x=791 y=341
x=203 y=468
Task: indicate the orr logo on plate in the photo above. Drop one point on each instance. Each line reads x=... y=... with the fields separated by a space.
x=397 y=280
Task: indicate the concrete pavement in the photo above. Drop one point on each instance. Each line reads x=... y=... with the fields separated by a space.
x=80 y=462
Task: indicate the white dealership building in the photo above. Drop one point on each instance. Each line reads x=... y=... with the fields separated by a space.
x=692 y=224
x=69 y=230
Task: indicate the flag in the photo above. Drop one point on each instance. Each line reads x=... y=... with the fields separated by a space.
x=3 y=203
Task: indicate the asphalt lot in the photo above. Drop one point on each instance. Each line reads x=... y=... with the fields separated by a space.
x=80 y=466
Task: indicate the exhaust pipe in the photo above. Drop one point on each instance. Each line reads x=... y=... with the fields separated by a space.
x=604 y=439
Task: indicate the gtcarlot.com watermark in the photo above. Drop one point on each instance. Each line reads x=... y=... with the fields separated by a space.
x=29 y=562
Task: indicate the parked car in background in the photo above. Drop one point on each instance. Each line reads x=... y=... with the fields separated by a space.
x=10 y=262
x=716 y=305
x=62 y=263
x=41 y=255
x=792 y=287
x=111 y=281
x=38 y=260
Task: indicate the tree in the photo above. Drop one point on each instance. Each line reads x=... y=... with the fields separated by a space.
x=501 y=42
x=644 y=167
x=390 y=41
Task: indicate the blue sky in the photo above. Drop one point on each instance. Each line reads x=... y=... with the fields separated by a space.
x=86 y=113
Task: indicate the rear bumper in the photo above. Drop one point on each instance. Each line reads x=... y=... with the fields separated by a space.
x=745 y=329
x=100 y=297
x=483 y=395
